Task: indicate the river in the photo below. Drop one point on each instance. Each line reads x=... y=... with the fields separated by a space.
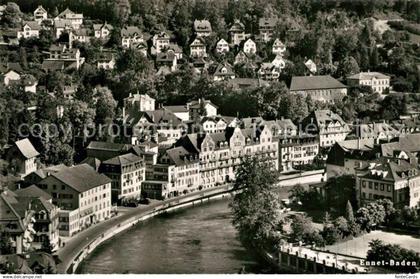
x=193 y=240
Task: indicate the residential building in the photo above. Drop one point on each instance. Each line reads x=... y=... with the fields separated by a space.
x=10 y=76
x=202 y=28
x=250 y=47
x=30 y=29
x=29 y=83
x=329 y=127
x=377 y=81
x=161 y=125
x=297 y=150
x=319 y=88
x=22 y=157
x=176 y=173
x=76 y=20
x=139 y=102
x=70 y=57
x=247 y=83
x=80 y=35
x=131 y=36
x=106 y=60
x=278 y=47
x=346 y=157
x=198 y=48
x=45 y=215
x=222 y=46
x=376 y=130
x=395 y=179
x=223 y=71
x=213 y=124
x=311 y=66
x=195 y=108
x=237 y=32
x=221 y=153
x=241 y=58
x=160 y=42
x=102 y=31
x=177 y=50
x=40 y=14
x=16 y=220
x=181 y=111
x=62 y=26
x=266 y=28
x=106 y=150
x=279 y=62
x=82 y=194
x=167 y=59
x=268 y=71
x=127 y=173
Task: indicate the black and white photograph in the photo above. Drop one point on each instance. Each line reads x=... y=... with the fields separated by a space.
x=209 y=137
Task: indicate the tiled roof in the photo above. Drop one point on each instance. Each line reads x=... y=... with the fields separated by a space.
x=130 y=31
x=34 y=192
x=81 y=177
x=108 y=146
x=32 y=24
x=202 y=25
x=123 y=160
x=368 y=75
x=267 y=22
x=175 y=109
x=314 y=83
x=180 y=156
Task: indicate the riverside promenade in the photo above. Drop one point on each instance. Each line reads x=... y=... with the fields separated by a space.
x=87 y=240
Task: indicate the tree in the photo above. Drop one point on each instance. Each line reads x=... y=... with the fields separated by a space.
x=347 y=67
x=379 y=251
x=342 y=226
x=256 y=208
x=105 y=106
x=349 y=212
x=303 y=230
x=5 y=242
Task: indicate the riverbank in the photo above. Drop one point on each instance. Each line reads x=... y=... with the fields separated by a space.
x=84 y=243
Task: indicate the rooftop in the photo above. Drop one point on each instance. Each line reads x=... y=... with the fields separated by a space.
x=314 y=83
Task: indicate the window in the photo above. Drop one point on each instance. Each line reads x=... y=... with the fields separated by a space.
x=389 y=188
x=370 y=185
x=382 y=186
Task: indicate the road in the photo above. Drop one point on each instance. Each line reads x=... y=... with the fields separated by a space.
x=75 y=244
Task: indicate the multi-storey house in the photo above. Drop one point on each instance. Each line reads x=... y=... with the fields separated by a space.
x=198 y=48
x=266 y=28
x=377 y=81
x=250 y=47
x=319 y=88
x=102 y=31
x=131 y=36
x=127 y=173
x=237 y=32
x=40 y=14
x=202 y=28
x=329 y=127
x=22 y=157
x=278 y=47
x=222 y=46
x=82 y=194
x=30 y=29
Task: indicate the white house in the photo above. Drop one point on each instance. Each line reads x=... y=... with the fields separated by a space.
x=160 y=42
x=106 y=61
x=202 y=28
x=279 y=62
x=250 y=47
x=131 y=36
x=237 y=32
x=102 y=31
x=75 y=19
x=223 y=72
x=278 y=47
x=61 y=26
x=80 y=35
x=198 y=48
x=222 y=46
x=40 y=14
x=10 y=76
x=268 y=71
x=30 y=29
x=377 y=81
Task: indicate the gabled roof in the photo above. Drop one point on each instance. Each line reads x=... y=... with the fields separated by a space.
x=237 y=26
x=220 y=67
x=26 y=148
x=267 y=22
x=198 y=41
x=34 y=192
x=167 y=56
x=107 y=146
x=81 y=178
x=196 y=104
x=40 y=9
x=97 y=27
x=32 y=24
x=177 y=109
x=180 y=156
x=129 y=31
x=123 y=160
x=368 y=75
x=314 y=83
x=202 y=26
